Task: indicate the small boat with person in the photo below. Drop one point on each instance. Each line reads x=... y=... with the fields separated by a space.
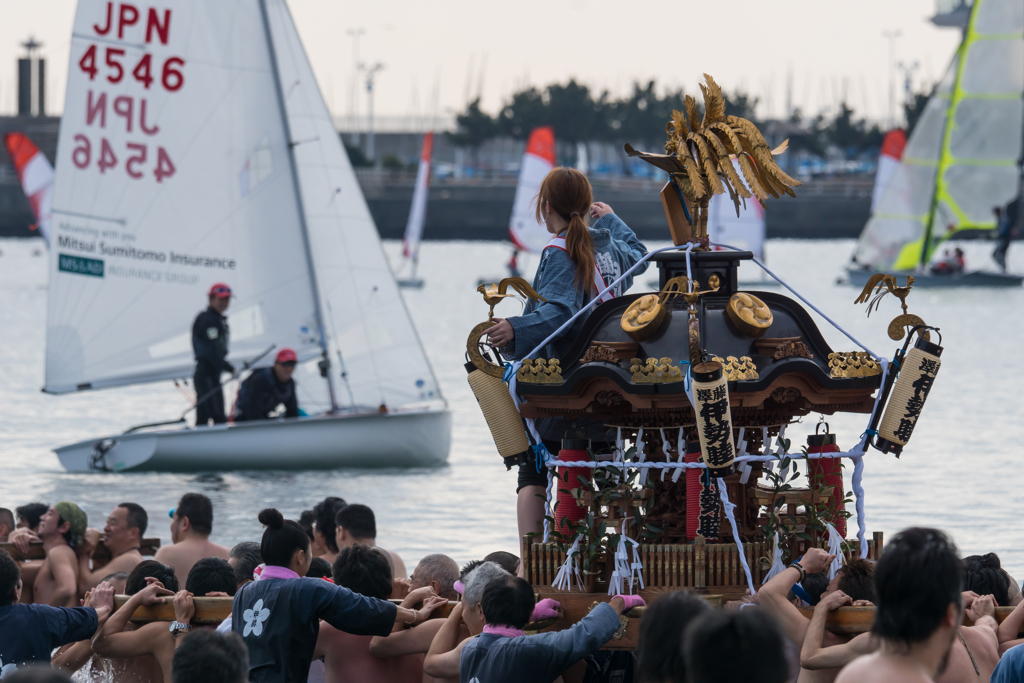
x=960 y=168
x=229 y=168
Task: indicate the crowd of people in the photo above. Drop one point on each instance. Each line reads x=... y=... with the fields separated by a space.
x=317 y=600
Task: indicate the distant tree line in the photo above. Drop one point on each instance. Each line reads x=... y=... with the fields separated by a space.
x=579 y=114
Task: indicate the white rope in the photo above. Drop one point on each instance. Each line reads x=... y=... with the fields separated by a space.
x=664 y=451
x=731 y=516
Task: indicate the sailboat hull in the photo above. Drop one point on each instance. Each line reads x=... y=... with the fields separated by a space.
x=413 y=439
x=859 y=278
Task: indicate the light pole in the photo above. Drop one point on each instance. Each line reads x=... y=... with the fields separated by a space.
x=353 y=106
x=370 y=74
x=908 y=71
x=892 y=36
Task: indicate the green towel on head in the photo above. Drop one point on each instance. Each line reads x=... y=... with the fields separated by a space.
x=69 y=512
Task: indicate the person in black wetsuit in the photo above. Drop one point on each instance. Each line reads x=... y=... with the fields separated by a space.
x=210 y=345
x=267 y=388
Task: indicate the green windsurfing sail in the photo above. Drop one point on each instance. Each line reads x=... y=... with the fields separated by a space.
x=963 y=157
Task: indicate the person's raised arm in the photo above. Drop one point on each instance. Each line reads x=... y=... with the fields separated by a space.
x=983 y=613
x=1010 y=627
x=111 y=640
x=445 y=651
x=814 y=655
x=564 y=648
x=72 y=657
x=621 y=233
x=773 y=596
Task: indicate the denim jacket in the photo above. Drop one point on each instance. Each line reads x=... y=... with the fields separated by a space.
x=616 y=250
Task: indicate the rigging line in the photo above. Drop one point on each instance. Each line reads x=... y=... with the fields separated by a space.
x=310 y=106
x=312 y=101
x=297 y=188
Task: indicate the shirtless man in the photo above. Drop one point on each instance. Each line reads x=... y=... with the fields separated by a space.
x=357 y=525
x=191 y=525
x=366 y=570
x=919 y=609
x=210 y=576
x=73 y=656
x=773 y=597
x=61 y=530
x=973 y=657
x=122 y=536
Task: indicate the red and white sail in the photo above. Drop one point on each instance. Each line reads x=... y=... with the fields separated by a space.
x=526 y=232
x=888 y=161
x=418 y=211
x=36 y=175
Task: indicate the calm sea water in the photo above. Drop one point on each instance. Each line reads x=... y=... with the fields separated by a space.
x=961 y=471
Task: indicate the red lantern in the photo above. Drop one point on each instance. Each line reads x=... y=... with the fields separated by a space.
x=830 y=472
x=566 y=506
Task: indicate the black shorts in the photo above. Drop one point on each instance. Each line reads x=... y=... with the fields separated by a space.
x=528 y=474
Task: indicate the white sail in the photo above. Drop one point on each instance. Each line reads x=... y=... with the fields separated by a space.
x=172 y=174
x=527 y=233
x=36 y=176
x=366 y=318
x=962 y=158
x=745 y=231
x=418 y=209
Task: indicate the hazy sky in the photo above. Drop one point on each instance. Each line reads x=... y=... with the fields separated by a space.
x=829 y=47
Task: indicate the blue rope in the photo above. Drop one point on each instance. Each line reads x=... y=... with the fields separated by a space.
x=508 y=373
x=540 y=456
x=686 y=375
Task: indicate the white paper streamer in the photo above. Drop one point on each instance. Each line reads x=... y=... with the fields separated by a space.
x=777 y=566
x=681 y=452
x=731 y=516
x=741 y=446
x=570 y=568
x=835 y=547
x=641 y=451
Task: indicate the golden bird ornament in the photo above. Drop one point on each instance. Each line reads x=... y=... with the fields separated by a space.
x=494 y=293
x=700 y=151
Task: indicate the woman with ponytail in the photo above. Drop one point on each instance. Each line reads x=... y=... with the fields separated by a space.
x=278 y=615
x=575 y=267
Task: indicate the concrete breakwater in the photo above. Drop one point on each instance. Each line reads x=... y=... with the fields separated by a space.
x=479 y=209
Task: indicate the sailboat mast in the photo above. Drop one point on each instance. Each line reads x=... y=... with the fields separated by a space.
x=944 y=153
x=318 y=310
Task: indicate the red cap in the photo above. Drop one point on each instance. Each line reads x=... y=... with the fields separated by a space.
x=220 y=290
x=286 y=356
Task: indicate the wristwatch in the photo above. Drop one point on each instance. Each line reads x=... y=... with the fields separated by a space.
x=177 y=628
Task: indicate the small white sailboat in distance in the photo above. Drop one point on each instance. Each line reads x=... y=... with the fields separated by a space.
x=196 y=147
x=417 y=214
x=526 y=232
x=36 y=176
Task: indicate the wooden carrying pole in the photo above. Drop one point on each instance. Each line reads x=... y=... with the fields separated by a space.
x=211 y=611
x=148 y=548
